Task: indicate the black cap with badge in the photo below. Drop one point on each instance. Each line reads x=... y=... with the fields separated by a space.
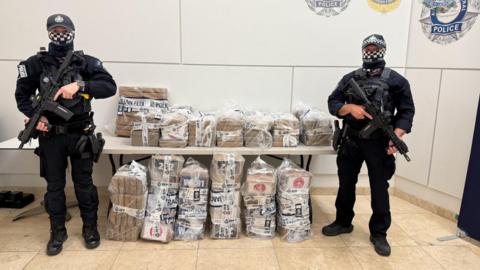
x=376 y=40
x=60 y=20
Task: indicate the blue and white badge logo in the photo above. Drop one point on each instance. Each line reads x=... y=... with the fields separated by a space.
x=448 y=20
x=328 y=8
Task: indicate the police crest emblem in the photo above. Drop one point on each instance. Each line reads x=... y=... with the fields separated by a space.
x=328 y=8
x=446 y=21
x=384 y=6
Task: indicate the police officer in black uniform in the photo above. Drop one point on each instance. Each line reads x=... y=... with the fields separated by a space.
x=391 y=91
x=59 y=139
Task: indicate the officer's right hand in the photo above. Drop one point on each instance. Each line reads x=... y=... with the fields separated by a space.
x=358 y=112
x=42 y=124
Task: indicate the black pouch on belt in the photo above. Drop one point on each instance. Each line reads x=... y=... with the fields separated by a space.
x=96 y=143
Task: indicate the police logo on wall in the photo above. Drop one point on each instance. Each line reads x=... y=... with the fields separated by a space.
x=384 y=6
x=328 y=8
x=446 y=21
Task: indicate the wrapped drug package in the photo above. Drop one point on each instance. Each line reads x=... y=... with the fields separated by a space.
x=230 y=123
x=201 y=130
x=128 y=194
x=258 y=192
x=143 y=92
x=226 y=174
x=145 y=130
x=128 y=109
x=293 y=212
x=258 y=127
x=192 y=201
x=174 y=129
x=162 y=202
x=316 y=127
x=286 y=130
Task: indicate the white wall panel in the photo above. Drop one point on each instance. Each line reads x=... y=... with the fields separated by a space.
x=422 y=52
x=425 y=86
x=285 y=32
x=454 y=131
x=113 y=30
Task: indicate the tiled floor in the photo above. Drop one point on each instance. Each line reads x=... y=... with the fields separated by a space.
x=413 y=237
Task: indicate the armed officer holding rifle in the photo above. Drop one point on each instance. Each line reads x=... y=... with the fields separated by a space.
x=377 y=109
x=59 y=114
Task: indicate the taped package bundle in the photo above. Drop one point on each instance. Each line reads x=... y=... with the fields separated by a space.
x=201 y=130
x=315 y=126
x=230 y=123
x=293 y=215
x=192 y=201
x=128 y=109
x=128 y=194
x=164 y=171
x=174 y=129
x=286 y=130
x=258 y=127
x=143 y=92
x=258 y=192
x=145 y=130
x=226 y=174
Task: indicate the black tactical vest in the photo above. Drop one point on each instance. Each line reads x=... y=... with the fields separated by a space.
x=78 y=105
x=377 y=91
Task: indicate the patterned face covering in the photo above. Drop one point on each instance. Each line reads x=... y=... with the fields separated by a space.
x=373 y=56
x=61 y=38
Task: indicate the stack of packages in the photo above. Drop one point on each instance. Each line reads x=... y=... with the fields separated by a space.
x=258 y=127
x=128 y=194
x=138 y=99
x=226 y=174
x=192 y=201
x=164 y=171
x=201 y=130
x=315 y=126
x=293 y=218
x=230 y=123
x=174 y=129
x=286 y=130
x=259 y=197
x=145 y=130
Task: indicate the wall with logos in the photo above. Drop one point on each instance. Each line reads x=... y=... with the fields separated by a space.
x=446 y=85
x=265 y=55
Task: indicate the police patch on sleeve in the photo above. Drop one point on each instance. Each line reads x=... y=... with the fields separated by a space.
x=22 y=71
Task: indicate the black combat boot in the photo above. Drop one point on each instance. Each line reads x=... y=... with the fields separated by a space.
x=55 y=244
x=91 y=236
x=381 y=245
x=335 y=229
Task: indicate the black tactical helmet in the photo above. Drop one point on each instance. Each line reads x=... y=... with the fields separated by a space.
x=60 y=20
x=376 y=40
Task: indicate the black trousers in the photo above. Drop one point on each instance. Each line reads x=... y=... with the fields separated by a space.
x=381 y=168
x=54 y=152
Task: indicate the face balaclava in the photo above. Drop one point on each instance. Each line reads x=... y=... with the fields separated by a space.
x=61 y=42
x=373 y=60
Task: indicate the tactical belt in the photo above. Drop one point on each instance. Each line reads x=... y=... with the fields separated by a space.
x=73 y=127
x=354 y=133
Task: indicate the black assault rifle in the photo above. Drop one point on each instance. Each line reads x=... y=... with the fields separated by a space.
x=45 y=103
x=380 y=120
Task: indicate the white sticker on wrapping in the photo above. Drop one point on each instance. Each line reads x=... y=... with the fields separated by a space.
x=136 y=213
x=22 y=71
